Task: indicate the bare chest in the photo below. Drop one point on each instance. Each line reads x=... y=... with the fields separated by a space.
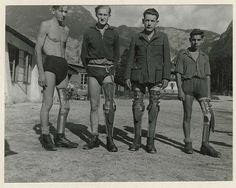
x=57 y=34
x=194 y=55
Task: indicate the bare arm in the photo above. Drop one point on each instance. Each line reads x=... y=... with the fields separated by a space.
x=39 y=45
x=179 y=86
x=65 y=43
x=209 y=87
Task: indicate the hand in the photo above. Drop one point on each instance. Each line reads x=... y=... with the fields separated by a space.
x=164 y=83
x=128 y=83
x=42 y=80
x=181 y=95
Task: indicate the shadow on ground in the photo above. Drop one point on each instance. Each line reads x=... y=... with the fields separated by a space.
x=161 y=138
x=8 y=151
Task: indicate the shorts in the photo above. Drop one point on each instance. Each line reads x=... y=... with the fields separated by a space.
x=142 y=86
x=195 y=87
x=56 y=65
x=100 y=72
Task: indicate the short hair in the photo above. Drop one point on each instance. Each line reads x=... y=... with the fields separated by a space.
x=196 y=32
x=102 y=6
x=151 y=11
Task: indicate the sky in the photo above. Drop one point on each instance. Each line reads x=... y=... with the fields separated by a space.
x=207 y=17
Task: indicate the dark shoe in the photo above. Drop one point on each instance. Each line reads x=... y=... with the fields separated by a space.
x=150 y=147
x=111 y=147
x=206 y=149
x=93 y=143
x=47 y=142
x=136 y=144
x=188 y=148
x=62 y=141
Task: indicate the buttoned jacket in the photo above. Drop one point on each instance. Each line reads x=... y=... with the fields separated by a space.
x=148 y=60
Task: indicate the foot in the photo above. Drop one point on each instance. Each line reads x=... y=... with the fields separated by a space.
x=62 y=141
x=134 y=147
x=93 y=143
x=111 y=147
x=136 y=144
x=47 y=142
x=188 y=148
x=206 y=149
x=150 y=147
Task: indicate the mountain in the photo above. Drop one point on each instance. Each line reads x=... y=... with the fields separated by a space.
x=178 y=38
x=27 y=19
x=221 y=62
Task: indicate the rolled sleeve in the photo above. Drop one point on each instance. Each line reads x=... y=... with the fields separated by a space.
x=179 y=67
x=207 y=68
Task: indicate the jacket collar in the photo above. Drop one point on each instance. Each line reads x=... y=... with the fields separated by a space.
x=144 y=36
x=107 y=27
x=187 y=52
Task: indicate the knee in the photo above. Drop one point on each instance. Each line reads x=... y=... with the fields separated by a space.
x=154 y=100
x=138 y=103
x=64 y=108
x=94 y=107
x=109 y=106
x=207 y=117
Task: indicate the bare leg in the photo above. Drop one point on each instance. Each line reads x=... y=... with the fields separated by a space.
x=44 y=113
x=187 y=105
x=94 y=93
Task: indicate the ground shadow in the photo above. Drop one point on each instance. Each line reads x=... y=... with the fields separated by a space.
x=81 y=131
x=8 y=151
x=226 y=132
x=221 y=144
x=161 y=138
x=118 y=135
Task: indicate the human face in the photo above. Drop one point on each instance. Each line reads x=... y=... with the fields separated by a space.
x=61 y=13
x=103 y=15
x=196 y=41
x=150 y=22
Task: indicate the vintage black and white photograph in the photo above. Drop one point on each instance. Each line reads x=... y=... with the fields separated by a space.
x=118 y=93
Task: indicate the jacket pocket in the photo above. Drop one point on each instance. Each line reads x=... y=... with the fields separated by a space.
x=136 y=74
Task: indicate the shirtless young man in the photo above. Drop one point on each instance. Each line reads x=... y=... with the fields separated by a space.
x=51 y=40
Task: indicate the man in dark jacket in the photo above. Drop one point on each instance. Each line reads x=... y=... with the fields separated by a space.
x=148 y=65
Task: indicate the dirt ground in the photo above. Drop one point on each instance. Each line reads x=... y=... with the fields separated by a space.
x=27 y=161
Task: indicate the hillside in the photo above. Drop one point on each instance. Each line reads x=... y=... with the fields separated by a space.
x=26 y=20
x=221 y=62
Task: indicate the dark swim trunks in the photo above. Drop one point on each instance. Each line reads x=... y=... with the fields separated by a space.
x=56 y=65
x=195 y=87
x=100 y=73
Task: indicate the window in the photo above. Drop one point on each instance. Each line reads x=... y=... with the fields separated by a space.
x=20 y=64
